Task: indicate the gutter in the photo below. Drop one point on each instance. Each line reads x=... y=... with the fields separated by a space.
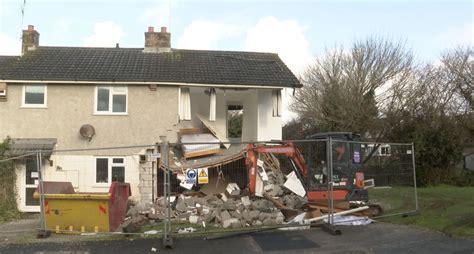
x=147 y=83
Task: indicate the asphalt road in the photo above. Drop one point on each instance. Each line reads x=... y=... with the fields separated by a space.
x=374 y=238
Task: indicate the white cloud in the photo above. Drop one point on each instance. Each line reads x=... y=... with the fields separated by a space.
x=457 y=36
x=106 y=34
x=157 y=15
x=204 y=34
x=9 y=45
x=285 y=37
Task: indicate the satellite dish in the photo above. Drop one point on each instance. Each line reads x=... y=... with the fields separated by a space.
x=87 y=131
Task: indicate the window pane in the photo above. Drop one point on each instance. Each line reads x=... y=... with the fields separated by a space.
x=34 y=95
x=119 y=103
x=120 y=89
x=31 y=166
x=102 y=170
x=118 y=174
x=29 y=200
x=117 y=160
x=103 y=99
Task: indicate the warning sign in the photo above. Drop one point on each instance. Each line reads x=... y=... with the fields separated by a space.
x=203 y=176
x=191 y=176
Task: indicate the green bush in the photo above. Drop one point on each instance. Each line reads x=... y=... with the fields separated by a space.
x=8 y=208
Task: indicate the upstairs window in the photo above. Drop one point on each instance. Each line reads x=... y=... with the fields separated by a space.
x=34 y=96
x=111 y=100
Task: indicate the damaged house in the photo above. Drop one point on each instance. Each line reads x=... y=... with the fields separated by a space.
x=55 y=98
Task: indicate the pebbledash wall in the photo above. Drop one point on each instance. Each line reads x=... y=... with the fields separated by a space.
x=150 y=114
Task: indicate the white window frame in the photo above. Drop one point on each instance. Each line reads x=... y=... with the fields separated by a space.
x=23 y=97
x=111 y=96
x=110 y=164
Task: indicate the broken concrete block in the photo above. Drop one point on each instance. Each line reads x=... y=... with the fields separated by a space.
x=205 y=210
x=267 y=221
x=208 y=218
x=246 y=201
x=228 y=222
x=262 y=205
x=236 y=214
x=254 y=214
x=280 y=219
x=224 y=197
x=183 y=216
x=181 y=206
x=193 y=219
x=233 y=189
x=268 y=187
x=190 y=201
x=263 y=216
x=229 y=205
x=225 y=215
x=246 y=216
x=274 y=192
x=236 y=224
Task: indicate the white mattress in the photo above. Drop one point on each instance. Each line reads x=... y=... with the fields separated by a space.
x=213 y=142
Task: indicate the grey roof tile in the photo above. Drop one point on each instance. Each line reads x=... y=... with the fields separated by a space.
x=132 y=65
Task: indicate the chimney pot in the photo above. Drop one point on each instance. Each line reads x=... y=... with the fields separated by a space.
x=156 y=42
x=29 y=40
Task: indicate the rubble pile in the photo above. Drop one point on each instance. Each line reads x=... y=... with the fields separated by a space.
x=232 y=209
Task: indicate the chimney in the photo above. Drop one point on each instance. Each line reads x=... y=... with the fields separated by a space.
x=156 y=42
x=30 y=39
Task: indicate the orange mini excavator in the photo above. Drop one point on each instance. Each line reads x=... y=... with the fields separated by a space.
x=347 y=175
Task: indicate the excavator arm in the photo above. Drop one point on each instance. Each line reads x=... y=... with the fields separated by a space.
x=286 y=149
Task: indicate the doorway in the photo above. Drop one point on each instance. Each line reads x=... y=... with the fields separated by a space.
x=235 y=120
x=29 y=182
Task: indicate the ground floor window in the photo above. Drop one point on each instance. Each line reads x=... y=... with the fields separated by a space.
x=110 y=170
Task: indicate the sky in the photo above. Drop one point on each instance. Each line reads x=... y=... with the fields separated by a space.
x=297 y=30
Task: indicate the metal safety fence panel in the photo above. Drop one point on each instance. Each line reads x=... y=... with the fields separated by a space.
x=207 y=188
x=378 y=176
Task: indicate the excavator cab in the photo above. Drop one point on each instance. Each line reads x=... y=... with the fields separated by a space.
x=347 y=175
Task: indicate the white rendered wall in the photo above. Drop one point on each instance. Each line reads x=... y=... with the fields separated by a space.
x=80 y=170
x=248 y=98
x=269 y=127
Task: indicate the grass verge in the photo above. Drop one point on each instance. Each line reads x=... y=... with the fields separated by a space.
x=444 y=208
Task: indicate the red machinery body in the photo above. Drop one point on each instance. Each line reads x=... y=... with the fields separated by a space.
x=290 y=151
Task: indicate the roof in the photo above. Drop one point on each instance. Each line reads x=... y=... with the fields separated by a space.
x=133 y=65
x=22 y=146
x=5 y=59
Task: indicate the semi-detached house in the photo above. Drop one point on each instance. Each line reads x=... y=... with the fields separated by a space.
x=128 y=96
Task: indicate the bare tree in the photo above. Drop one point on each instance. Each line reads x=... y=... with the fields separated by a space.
x=343 y=89
x=460 y=66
